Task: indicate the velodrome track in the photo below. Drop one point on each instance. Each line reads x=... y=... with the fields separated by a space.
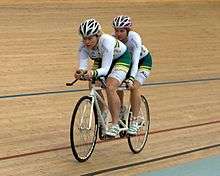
x=38 y=53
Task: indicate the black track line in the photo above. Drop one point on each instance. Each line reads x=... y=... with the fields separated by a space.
x=151 y=160
x=80 y=90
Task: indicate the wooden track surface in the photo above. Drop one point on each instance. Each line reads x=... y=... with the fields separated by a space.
x=38 y=53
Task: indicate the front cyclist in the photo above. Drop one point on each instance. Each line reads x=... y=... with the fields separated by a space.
x=111 y=59
x=141 y=65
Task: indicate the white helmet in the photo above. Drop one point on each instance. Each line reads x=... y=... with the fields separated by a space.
x=89 y=27
x=122 y=21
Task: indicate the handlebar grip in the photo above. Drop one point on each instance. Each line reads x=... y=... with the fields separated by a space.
x=78 y=71
x=71 y=83
x=81 y=72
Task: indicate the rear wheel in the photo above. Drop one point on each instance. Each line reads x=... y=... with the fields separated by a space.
x=137 y=142
x=83 y=129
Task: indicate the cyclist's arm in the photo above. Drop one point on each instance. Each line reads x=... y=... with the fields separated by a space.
x=83 y=58
x=135 y=56
x=107 y=58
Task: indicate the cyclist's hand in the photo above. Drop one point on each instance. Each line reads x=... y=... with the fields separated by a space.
x=130 y=82
x=88 y=75
x=79 y=73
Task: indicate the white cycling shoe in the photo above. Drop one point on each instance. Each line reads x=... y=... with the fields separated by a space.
x=113 y=130
x=133 y=129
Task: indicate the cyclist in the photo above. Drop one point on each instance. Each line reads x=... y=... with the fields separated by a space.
x=111 y=59
x=140 y=68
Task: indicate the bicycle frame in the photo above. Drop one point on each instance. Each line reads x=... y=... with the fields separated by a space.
x=101 y=122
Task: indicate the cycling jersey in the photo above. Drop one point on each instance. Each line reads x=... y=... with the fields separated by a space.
x=107 y=50
x=138 y=50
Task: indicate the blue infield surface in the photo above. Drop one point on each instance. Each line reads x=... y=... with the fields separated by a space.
x=203 y=167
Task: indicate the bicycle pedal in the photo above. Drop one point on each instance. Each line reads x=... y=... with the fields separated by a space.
x=132 y=135
x=122 y=134
x=102 y=137
x=110 y=137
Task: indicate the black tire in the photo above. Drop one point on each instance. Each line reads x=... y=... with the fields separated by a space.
x=143 y=132
x=83 y=140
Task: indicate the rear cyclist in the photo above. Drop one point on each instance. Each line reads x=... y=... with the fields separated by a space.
x=111 y=59
x=140 y=68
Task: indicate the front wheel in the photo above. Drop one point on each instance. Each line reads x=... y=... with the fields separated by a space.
x=83 y=129
x=137 y=142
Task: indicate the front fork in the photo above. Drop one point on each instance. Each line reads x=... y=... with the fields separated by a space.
x=83 y=122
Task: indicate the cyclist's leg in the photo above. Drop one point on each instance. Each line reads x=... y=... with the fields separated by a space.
x=115 y=78
x=135 y=99
x=143 y=73
x=113 y=82
x=113 y=98
x=121 y=97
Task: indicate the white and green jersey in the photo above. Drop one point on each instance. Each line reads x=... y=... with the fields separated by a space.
x=107 y=49
x=137 y=50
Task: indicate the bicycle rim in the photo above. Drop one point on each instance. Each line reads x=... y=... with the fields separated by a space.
x=137 y=142
x=83 y=130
